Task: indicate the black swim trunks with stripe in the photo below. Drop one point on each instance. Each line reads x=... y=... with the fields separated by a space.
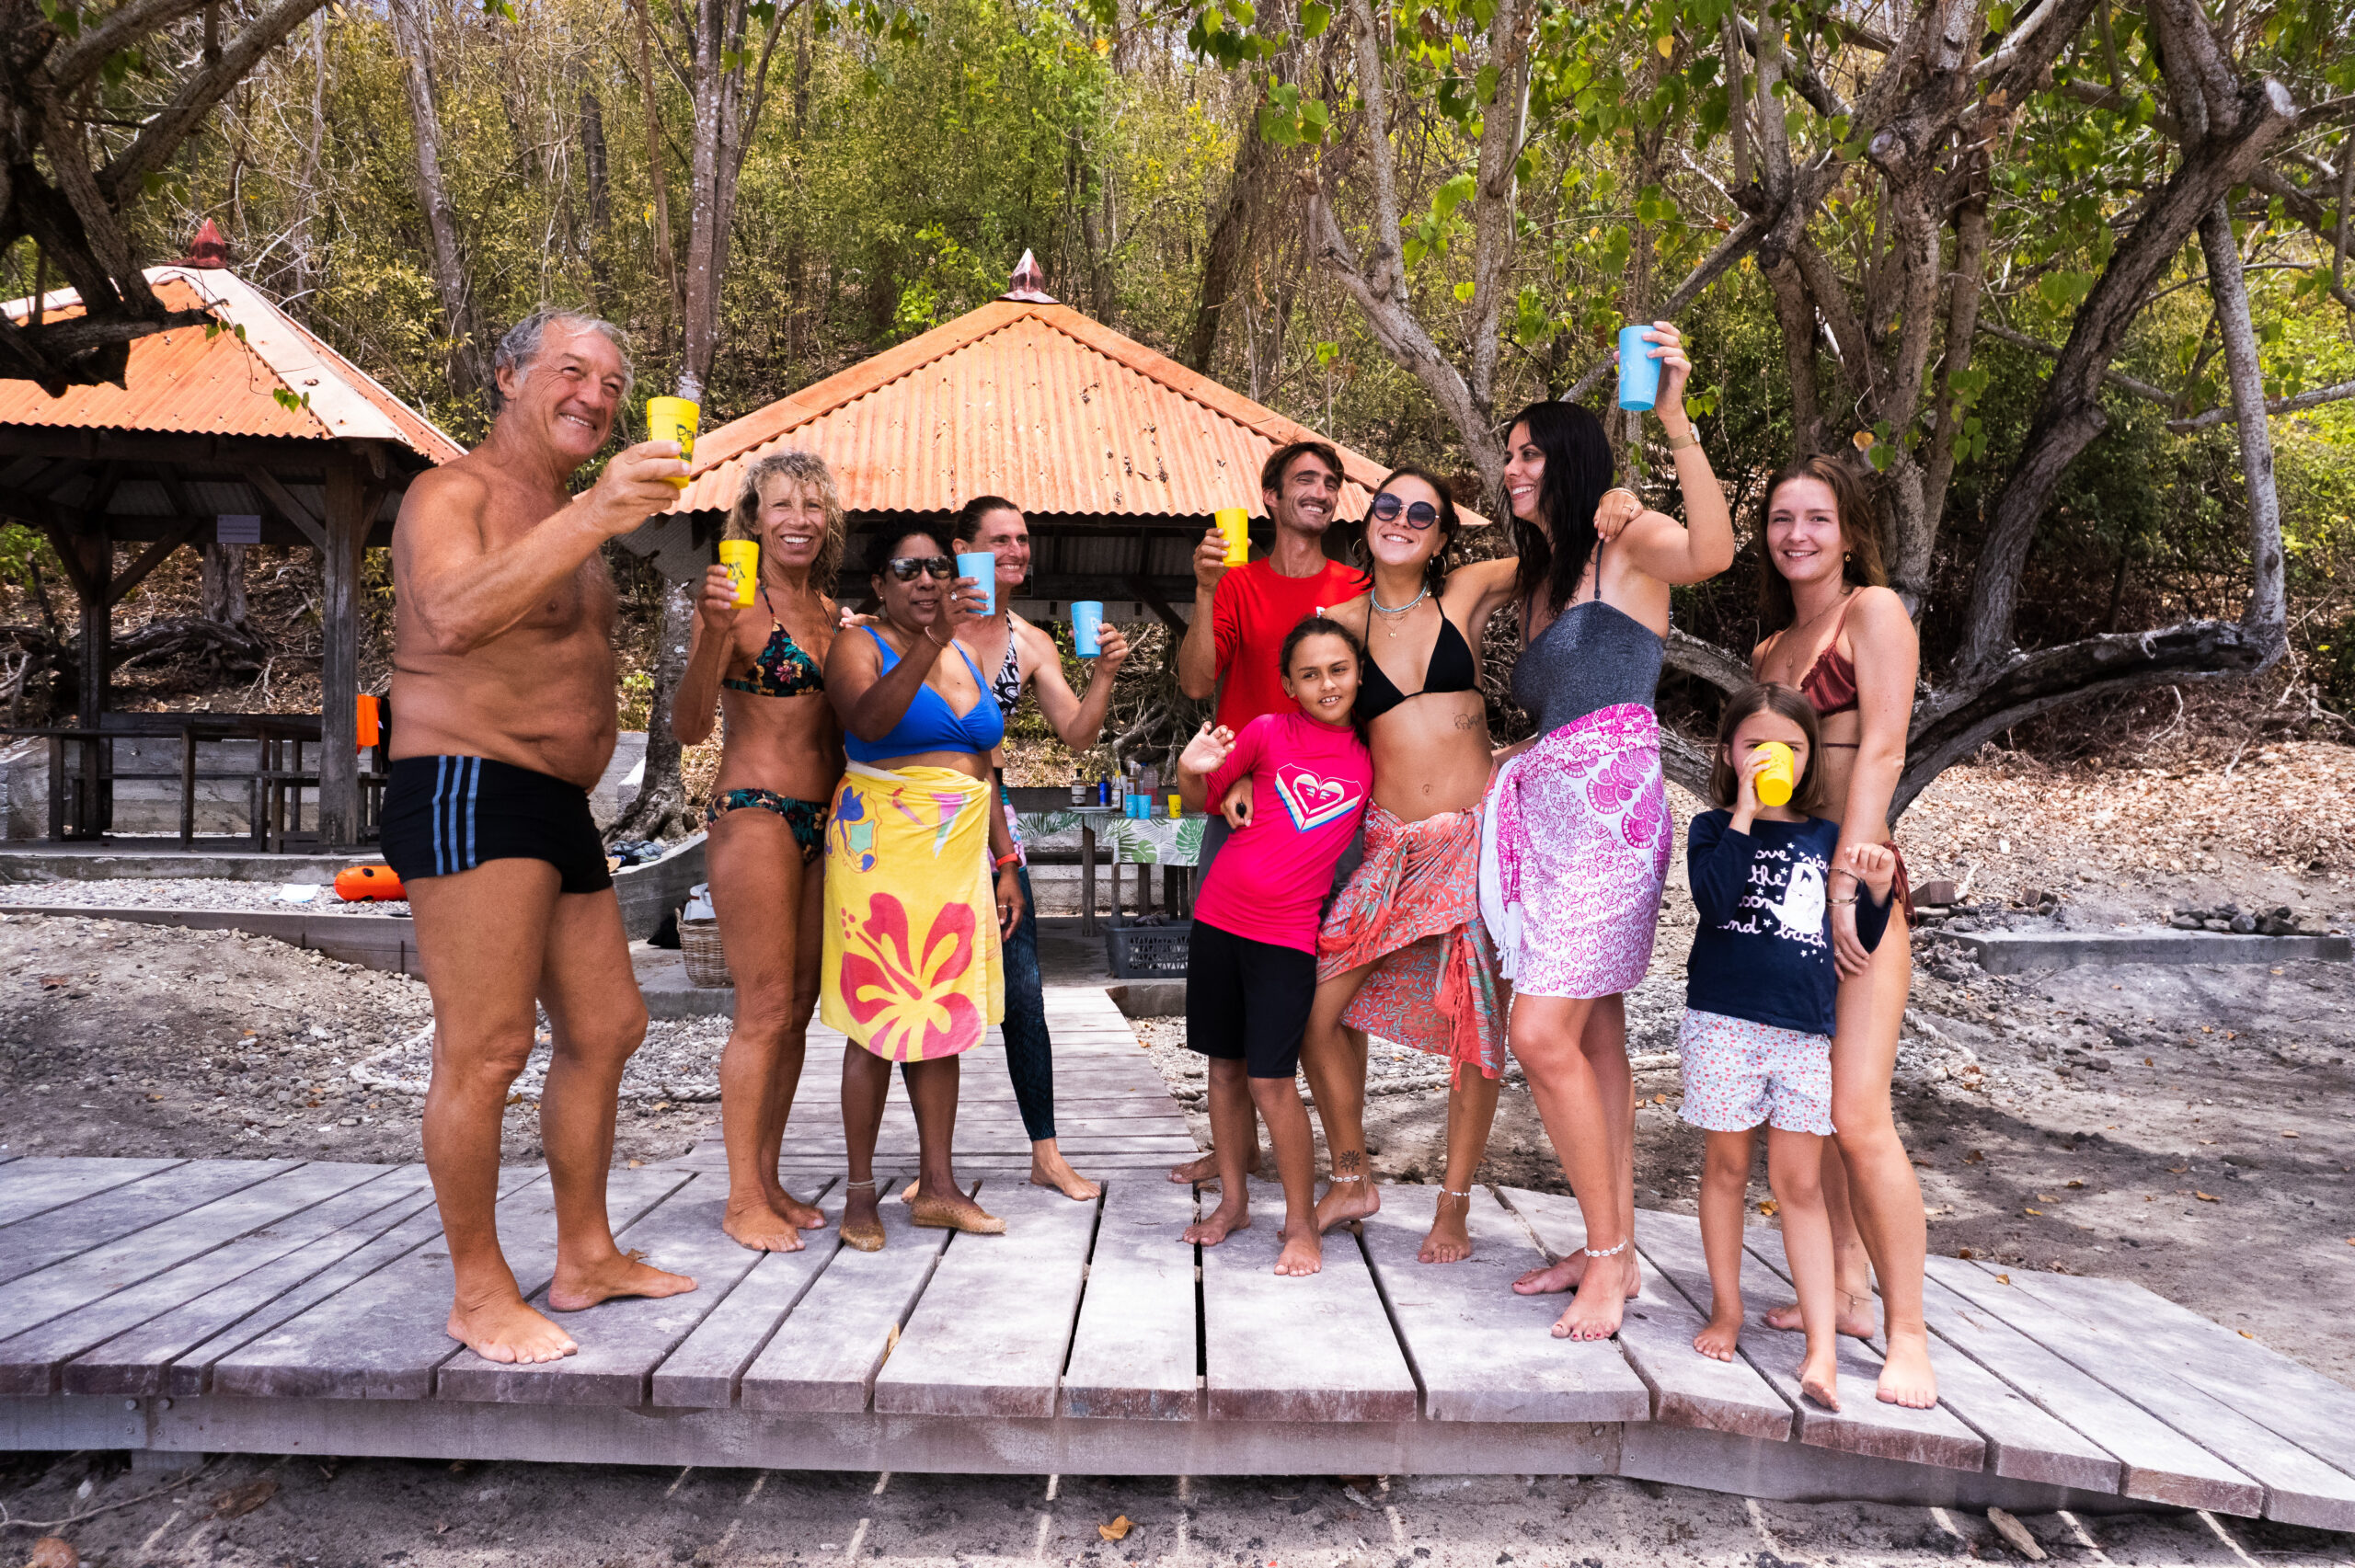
x=445 y=815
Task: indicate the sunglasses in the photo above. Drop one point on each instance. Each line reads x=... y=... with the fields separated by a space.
x=903 y=568
x=1387 y=507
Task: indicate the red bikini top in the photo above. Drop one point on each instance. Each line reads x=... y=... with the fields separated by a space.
x=1830 y=684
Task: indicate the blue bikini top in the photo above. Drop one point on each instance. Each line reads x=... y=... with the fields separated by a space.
x=930 y=725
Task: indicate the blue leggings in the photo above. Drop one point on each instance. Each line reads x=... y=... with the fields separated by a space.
x=1030 y=1053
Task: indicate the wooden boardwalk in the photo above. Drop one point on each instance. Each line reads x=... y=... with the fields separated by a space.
x=284 y=1306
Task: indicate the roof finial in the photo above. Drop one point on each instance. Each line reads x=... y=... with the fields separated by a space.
x=1028 y=284
x=208 y=247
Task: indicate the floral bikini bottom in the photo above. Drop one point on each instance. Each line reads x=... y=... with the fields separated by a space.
x=805 y=819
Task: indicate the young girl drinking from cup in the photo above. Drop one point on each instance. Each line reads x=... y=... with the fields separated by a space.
x=1251 y=974
x=1759 y=996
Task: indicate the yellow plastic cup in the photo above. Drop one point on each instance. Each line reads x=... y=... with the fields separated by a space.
x=1177 y=805
x=1774 y=783
x=742 y=559
x=673 y=419
x=1236 y=523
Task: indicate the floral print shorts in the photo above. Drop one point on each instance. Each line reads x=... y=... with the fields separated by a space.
x=1738 y=1073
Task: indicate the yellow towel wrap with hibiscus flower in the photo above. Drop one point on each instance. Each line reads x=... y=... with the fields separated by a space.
x=912 y=968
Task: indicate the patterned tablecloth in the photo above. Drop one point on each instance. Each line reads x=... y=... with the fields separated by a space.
x=1153 y=841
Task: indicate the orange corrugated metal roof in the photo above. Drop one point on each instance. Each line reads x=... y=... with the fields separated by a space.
x=1029 y=400
x=184 y=382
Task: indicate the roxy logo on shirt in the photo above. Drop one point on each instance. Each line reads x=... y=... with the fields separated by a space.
x=1312 y=799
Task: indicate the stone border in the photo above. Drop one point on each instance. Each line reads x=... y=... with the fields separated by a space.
x=2021 y=952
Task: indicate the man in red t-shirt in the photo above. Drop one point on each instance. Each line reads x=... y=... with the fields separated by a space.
x=1235 y=643
x=1242 y=613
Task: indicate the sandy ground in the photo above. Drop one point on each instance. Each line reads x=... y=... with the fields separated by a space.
x=430 y=1514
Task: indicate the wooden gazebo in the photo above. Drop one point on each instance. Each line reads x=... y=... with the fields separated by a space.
x=252 y=431
x=1117 y=455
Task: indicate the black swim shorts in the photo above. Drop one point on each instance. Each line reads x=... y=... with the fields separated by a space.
x=1248 y=1001
x=445 y=815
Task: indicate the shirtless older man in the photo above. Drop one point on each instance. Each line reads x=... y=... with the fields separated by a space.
x=503 y=718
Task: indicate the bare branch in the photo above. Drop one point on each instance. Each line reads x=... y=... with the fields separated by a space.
x=2116 y=378
x=2313 y=399
x=77 y=60
x=154 y=146
x=2267 y=615
x=1740 y=241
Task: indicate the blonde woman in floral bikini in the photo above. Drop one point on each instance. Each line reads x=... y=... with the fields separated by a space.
x=762 y=665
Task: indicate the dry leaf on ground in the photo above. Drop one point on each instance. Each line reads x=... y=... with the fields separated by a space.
x=1116 y=1531
x=54 y=1551
x=242 y=1500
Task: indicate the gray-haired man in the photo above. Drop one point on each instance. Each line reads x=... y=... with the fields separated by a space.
x=503 y=718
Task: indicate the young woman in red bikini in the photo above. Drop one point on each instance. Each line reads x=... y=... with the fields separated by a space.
x=1841 y=637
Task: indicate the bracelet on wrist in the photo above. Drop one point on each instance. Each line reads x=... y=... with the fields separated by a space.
x=1015 y=857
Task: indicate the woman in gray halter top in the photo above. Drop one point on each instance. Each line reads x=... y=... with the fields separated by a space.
x=1577 y=838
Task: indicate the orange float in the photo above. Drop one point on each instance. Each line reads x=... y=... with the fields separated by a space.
x=355 y=884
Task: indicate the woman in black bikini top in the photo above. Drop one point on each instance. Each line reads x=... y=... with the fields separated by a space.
x=762 y=664
x=1412 y=907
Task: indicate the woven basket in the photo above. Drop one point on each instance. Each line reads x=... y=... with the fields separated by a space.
x=706 y=961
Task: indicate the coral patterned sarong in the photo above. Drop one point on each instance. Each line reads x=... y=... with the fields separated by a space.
x=912 y=970
x=1413 y=910
x=1574 y=855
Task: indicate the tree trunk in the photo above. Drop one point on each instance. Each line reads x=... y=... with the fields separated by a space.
x=224 y=585
x=1222 y=257
x=467 y=365
x=660 y=809
x=594 y=167
x=2267 y=613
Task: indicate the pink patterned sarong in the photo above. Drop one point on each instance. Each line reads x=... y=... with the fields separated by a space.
x=1574 y=856
x=1413 y=910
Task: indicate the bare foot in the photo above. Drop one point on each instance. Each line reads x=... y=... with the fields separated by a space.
x=1218 y=1225
x=908 y=1193
x=1345 y=1201
x=757 y=1226
x=1906 y=1376
x=1203 y=1172
x=1448 y=1241
x=1819 y=1378
x=1553 y=1279
x=1602 y=1300
x=1049 y=1169
x=508 y=1331
x=1721 y=1334
x=581 y=1286
x=1569 y=1274
x=1854 y=1320
x=1304 y=1251
x=793 y=1211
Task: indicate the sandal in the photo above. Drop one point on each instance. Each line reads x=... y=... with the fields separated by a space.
x=867 y=1237
x=935 y=1214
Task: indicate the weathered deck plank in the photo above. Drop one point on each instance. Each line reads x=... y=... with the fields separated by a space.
x=989 y=1334
x=1480 y=1352
x=1688 y=1387
x=1135 y=1350
x=139 y=1359
x=701 y=1372
x=385 y=1340
x=2300 y=1403
x=1862 y=1424
x=56 y=1234
x=825 y=1355
x=101 y=1272
x=622 y=1340
x=1314 y=1347
x=44 y=1182
x=2023 y=1441
x=2299 y=1488
x=244 y=1311
x=30 y=1362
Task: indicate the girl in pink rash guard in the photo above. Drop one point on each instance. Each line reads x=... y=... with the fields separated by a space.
x=1251 y=973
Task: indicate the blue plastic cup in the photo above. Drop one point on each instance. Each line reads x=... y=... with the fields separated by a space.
x=1639 y=371
x=982 y=566
x=1086 y=620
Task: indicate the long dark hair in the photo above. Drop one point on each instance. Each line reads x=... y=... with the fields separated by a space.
x=1859 y=539
x=1785 y=702
x=1434 y=569
x=1578 y=471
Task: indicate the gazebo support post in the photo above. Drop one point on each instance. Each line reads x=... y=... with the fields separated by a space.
x=347 y=540
x=88 y=554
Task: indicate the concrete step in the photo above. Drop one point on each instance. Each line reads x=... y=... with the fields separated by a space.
x=2018 y=951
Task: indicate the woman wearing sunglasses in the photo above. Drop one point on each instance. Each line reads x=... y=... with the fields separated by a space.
x=1402 y=953
x=921 y=876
